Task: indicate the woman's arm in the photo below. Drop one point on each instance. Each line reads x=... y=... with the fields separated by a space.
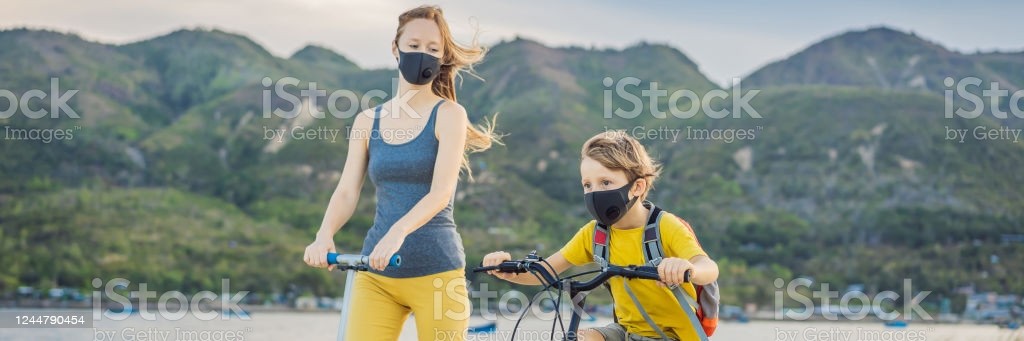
x=346 y=194
x=450 y=129
x=557 y=261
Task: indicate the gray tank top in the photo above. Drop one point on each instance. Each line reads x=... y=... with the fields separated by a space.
x=402 y=174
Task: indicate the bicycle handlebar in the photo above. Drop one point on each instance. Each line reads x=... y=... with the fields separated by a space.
x=358 y=260
x=536 y=265
x=632 y=271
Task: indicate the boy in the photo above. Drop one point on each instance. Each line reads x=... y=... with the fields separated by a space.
x=617 y=174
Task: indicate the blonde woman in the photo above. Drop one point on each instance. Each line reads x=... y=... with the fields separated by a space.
x=413 y=152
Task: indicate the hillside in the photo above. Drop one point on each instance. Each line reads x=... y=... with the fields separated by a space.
x=164 y=237
x=837 y=174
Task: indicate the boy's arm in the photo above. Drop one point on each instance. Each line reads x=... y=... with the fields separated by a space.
x=672 y=270
x=705 y=270
x=680 y=241
x=557 y=261
x=577 y=250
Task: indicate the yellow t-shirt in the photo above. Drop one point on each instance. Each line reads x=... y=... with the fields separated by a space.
x=625 y=248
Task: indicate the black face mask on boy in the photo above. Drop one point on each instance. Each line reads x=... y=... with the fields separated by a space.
x=417 y=67
x=607 y=207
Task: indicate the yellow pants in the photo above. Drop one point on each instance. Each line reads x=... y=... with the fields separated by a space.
x=380 y=306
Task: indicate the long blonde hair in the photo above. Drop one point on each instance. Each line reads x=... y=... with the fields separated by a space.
x=457 y=58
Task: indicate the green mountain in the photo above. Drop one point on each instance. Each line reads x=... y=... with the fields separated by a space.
x=884 y=58
x=889 y=59
x=324 y=59
x=198 y=65
x=847 y=171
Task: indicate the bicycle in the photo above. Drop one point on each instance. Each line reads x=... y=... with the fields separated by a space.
x=536 y=265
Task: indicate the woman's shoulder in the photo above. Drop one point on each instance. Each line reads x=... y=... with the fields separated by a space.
x=364 y=119
x=451 y=110
x=451 y=118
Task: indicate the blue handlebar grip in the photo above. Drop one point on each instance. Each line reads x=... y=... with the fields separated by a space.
x=396 y=260
x=332 y=258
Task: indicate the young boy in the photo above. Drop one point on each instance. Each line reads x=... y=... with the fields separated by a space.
x=617 y=174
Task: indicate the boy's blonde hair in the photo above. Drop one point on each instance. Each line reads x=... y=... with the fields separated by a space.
x=614 y=149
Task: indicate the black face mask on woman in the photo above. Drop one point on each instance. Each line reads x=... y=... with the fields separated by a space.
x=417 y=67
x=607 y=207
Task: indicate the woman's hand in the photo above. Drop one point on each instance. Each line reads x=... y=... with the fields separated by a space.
x=495 y=258
x=386 y=247
x=673 y=270
x=316 y=252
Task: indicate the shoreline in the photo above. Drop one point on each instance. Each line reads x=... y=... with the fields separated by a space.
x=277 y=309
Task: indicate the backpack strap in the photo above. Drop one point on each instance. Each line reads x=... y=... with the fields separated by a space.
x=687 y=303
x=601 y=239
x=652 y=249
x=653 y=252
x=644 y=314
x=690 y=306
x=615 y=318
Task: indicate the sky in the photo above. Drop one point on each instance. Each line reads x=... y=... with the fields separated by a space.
x=725 y=40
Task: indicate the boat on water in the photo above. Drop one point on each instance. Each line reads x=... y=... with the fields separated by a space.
x=896 y=324
x=489 y=327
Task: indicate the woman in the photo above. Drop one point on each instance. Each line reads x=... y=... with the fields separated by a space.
x=413 y=147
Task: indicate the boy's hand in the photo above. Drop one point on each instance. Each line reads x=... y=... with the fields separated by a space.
x=495 y=258
x=673 y=270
